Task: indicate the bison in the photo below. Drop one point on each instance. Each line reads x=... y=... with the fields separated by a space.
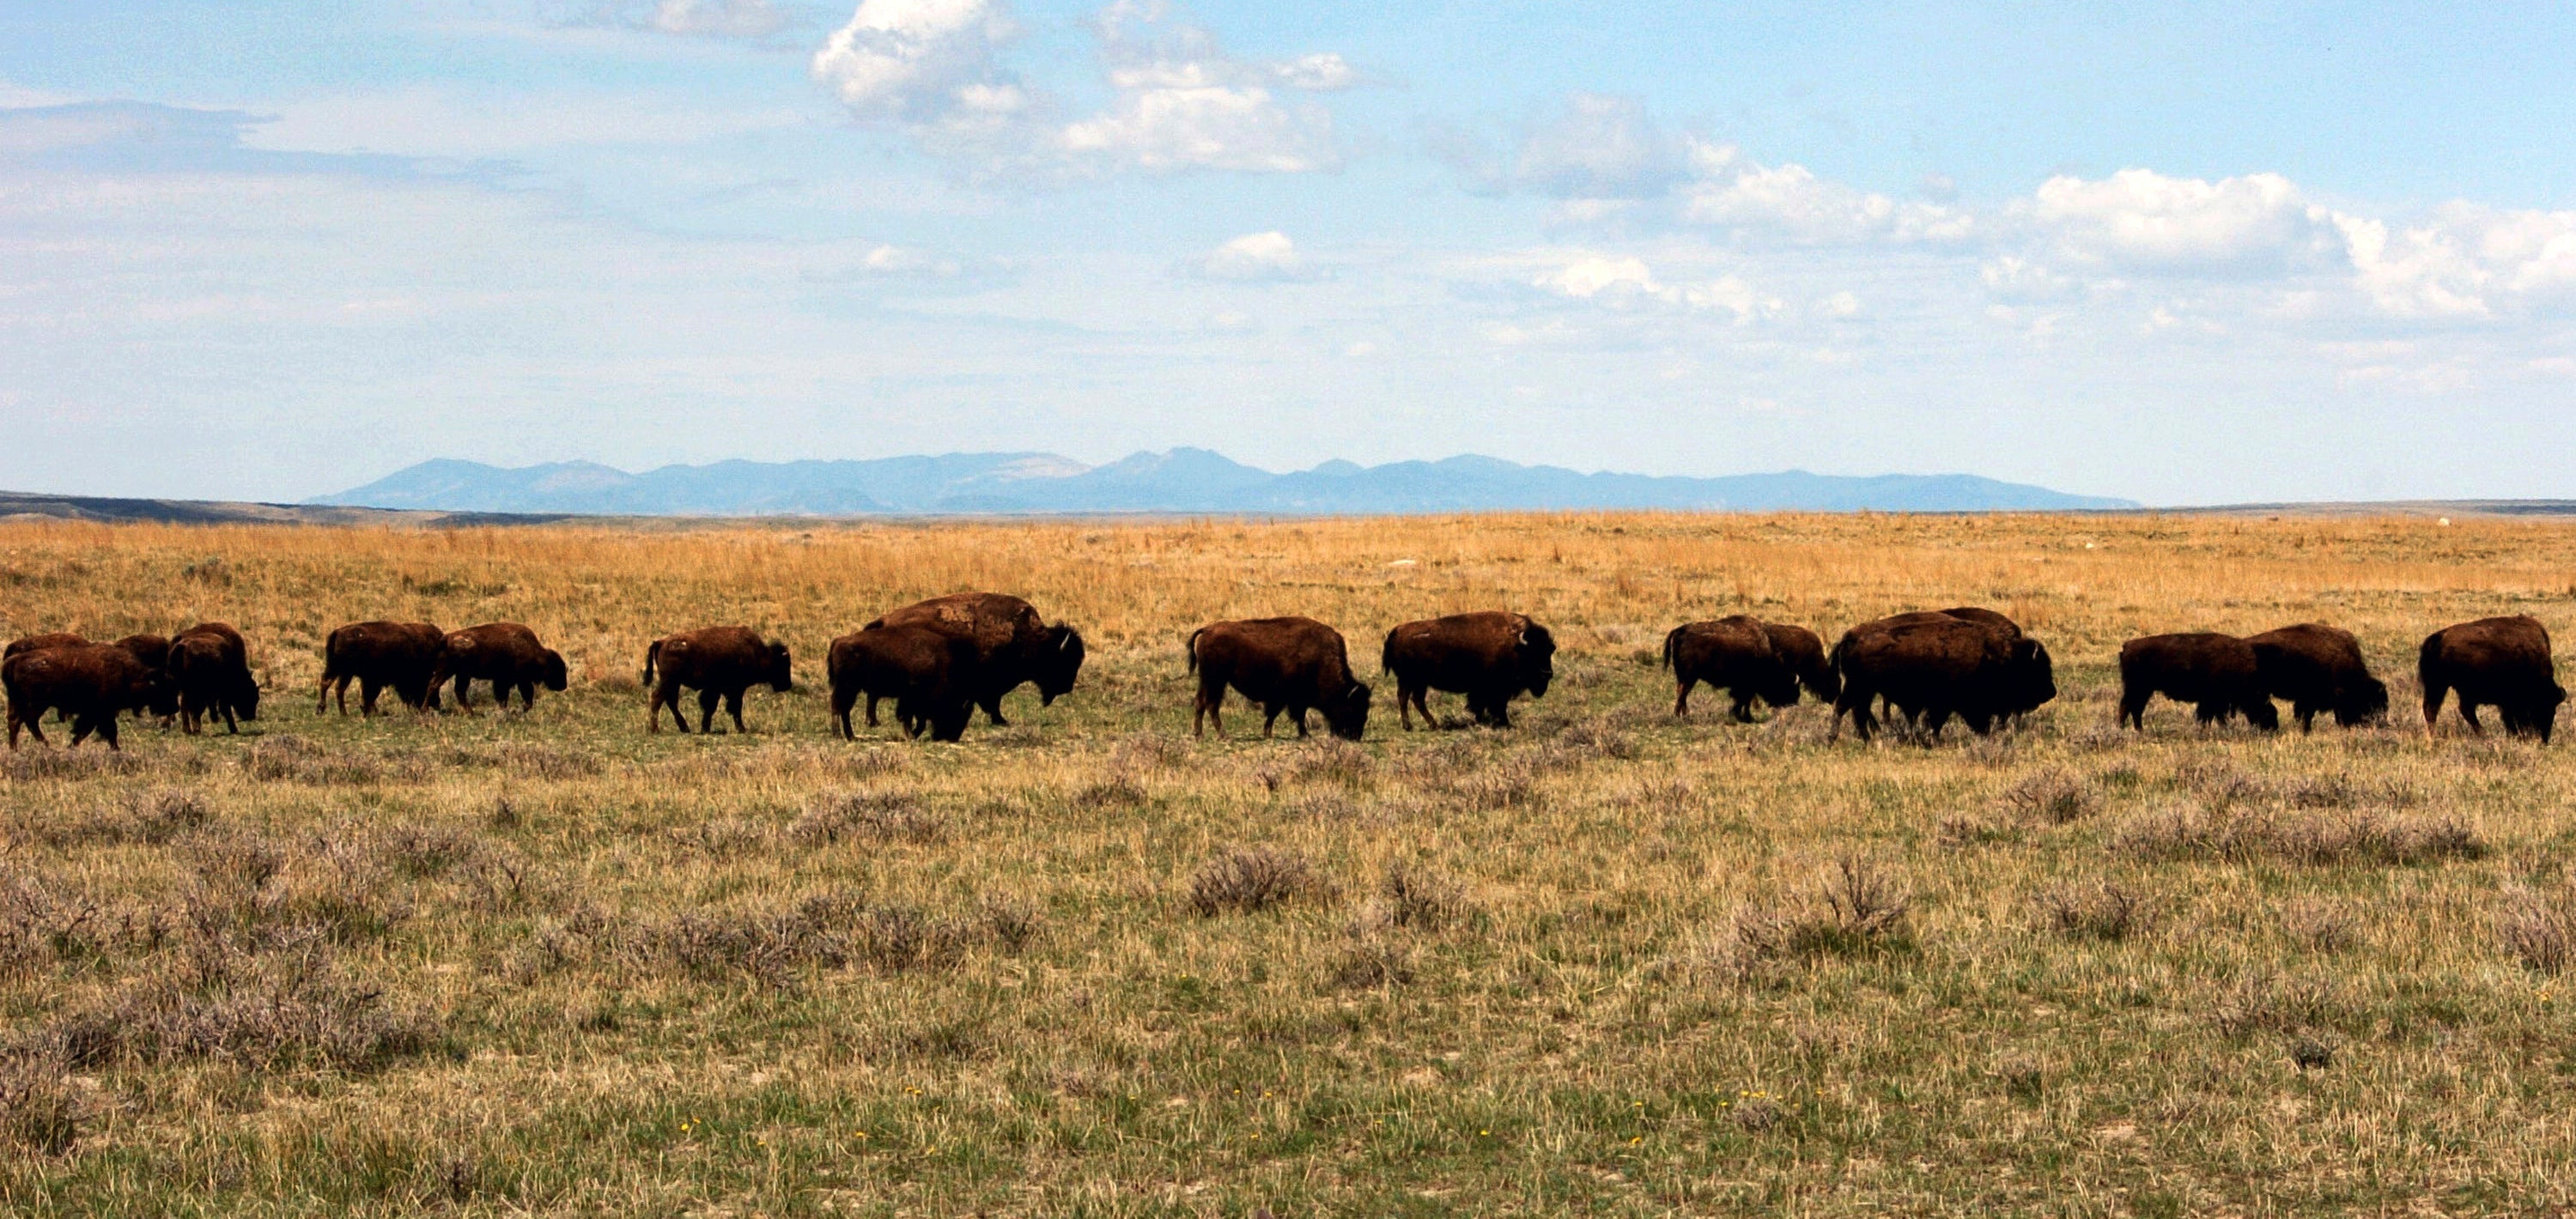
x=210 y=670
x=34 y=643
x=2500 y=662
x=505 y=654
x=2215 y=673
x=402 y=655
x=152 y=650
x=1284 y=664
x=2319 y=668
x=1748 y=658
x=720 y=662
x=93 y=682
x=1935 y=665
x=931 y=676
x=1489 y=656
x=1012 y=646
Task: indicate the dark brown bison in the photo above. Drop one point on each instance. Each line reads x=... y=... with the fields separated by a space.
x=720 y=663
x=2215 y=673
x=505 y=654
x=2499 y=662
x=210 y=670
x=402 y=655
x=1012 y=645
x=1933 y=666
x=1488 y=656
x=931 y=676
x=1284 y=664
x=33 y=643
x=1748 y=658
x=2319 y=668
x=94 y=682
x=152 y=650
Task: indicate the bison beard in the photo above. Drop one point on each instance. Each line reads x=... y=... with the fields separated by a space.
x=2500 y=662
x=1489 y=657
x=721 y=663
x=2217 y=674
x=1284 y=664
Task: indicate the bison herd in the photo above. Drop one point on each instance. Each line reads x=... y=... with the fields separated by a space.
x=942 y=659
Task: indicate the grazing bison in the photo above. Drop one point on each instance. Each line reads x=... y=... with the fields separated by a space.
x=1489 y=657
x=1284 y=664
x=931 y=676
x=210 y=670
x=34 y=643
x=403 y=655
x=1935 y=666
x=1748 y=658
x=505 y=654
x=2215 y=673
x=93 y=682
x=1012 y=645
x=2499 y=662
x=2319 y=668
x=720 y=662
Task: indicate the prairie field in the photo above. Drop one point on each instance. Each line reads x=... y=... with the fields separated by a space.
x=1607 y=961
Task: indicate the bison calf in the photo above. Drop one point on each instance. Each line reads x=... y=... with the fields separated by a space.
x=2215 y=673
x=402 y=655
x=1012 y=646
x=1284 y=664
x=931 y=676
x=2319 y=668
x=1490 y=657
x=1748 y=658
x=92 y=682
x=505 y=654
x=210 y=670
x=2504 y=663
x=720 y=662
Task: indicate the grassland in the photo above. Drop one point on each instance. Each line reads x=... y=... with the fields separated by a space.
x=1605 y=962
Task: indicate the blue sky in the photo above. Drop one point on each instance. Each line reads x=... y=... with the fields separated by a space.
x=2179 y=253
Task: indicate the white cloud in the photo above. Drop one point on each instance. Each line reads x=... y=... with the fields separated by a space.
x=1790 y=201
x=922 y=61
x=1620 y=279
x=2141 y=218
x=1255 y=256
x=1601 y=147
x=2010 y=277
x=16 y=97
x=1592 y=275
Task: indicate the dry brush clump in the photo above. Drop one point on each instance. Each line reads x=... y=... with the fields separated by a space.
x=878 y=816
x=1246 y=881
x=2053 y=797
x=1856 y=909
x=2104 y=911
x=2538 y=929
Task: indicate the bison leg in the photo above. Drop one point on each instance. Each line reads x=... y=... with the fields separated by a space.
x=1681 y=694
x=873 y=696
x=733 y=707
x=2469 y=712
x=2260 y=712
x=369 y=689
x=707 y=700
x=992 y=705
x=2434 y=693
x=1208 y=709
x=322 y=696
x=2133 y=707
x=1742 y=711
x=464 y=694
x=1269 y=718
x=17 y=721
x=1404 y=705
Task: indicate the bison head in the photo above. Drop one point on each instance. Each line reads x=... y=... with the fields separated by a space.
x=1346 y=713
x=551 y=671
x=1537 y=651
x=2363 y=700
x=775 y=670
x=245 y=696
x=1059 y=662
x=2034 y=679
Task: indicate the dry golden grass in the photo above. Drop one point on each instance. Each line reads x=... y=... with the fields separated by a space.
x=1602 y=962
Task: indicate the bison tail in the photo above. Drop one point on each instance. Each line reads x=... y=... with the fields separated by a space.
x=652 y=656
x=2426 y=655
x=1672 y=645
x=1192 y=647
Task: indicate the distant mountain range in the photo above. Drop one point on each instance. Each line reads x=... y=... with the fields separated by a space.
x=1180 y=481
